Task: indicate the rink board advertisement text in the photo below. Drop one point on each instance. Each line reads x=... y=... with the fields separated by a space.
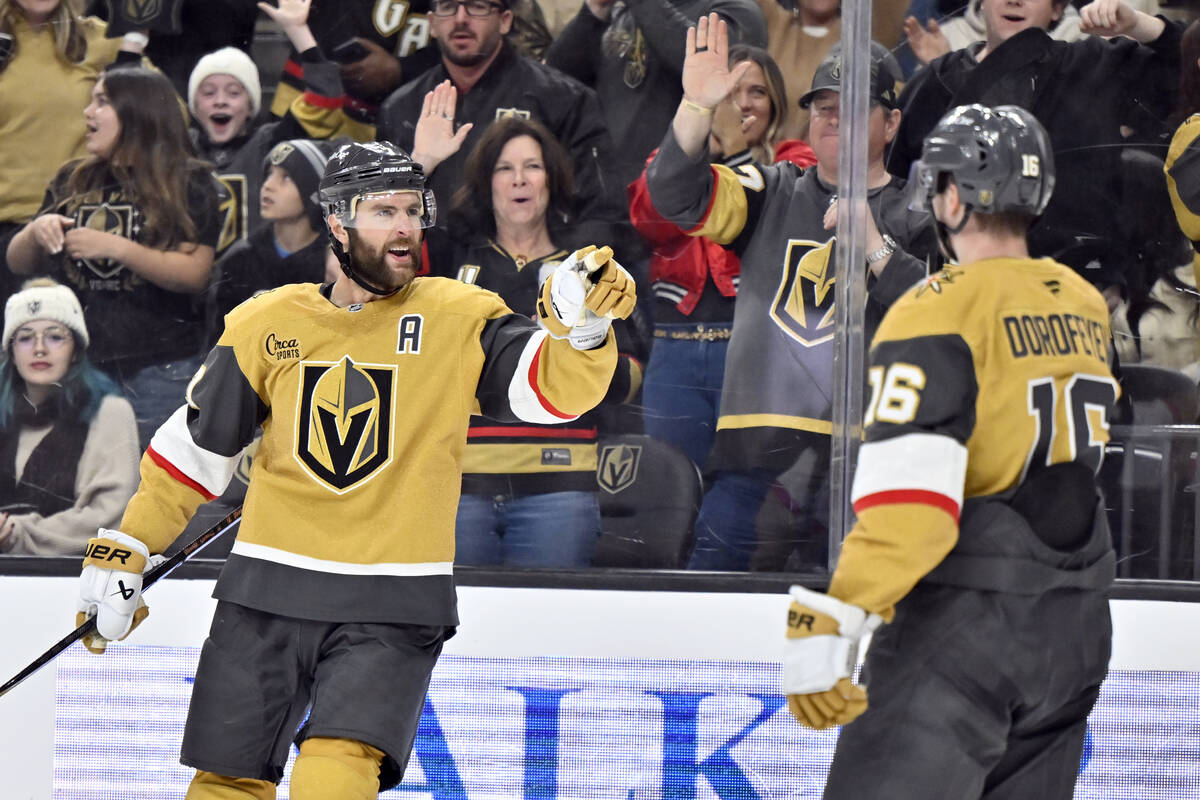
x=537 y=728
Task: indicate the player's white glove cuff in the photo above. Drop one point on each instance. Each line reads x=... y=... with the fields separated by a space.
x=816 y=662
x=589 y=333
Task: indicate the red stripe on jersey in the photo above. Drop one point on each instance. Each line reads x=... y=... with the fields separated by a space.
x=922 y=496
x=533 y=384
x=711 y=201
x=177 y=474
x=321 y=101
x=293 y=69
x=545 y=433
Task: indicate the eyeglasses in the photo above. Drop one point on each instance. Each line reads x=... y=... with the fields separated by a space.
x=52 y=338
x=475 y=8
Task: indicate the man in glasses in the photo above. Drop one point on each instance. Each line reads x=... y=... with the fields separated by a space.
x=491 y=80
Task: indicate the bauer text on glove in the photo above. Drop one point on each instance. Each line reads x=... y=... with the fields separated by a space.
x=110 y=587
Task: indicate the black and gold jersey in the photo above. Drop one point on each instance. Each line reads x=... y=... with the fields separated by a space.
x=354 y=487
x=519 y=458
x=977 y=375
x=777 y=395
x=132 y=321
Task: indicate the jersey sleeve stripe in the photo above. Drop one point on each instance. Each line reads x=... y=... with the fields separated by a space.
x=909 y=496
x=173 y=449
x=915 y=467
x=525 y=395
x=175 y=473
x=727 y=210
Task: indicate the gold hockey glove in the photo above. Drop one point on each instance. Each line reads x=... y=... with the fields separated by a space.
x=823 y=635
x=583 y=295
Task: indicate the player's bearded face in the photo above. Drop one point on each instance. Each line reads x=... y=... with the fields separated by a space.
x=391 y=263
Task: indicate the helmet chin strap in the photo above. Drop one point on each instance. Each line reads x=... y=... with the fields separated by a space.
x=344 y=259
x=943 y=232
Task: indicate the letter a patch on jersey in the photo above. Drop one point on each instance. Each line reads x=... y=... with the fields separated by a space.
x=803 y=304
x=344 y=424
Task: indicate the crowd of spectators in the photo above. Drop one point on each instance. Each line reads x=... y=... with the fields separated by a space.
x=157 y=173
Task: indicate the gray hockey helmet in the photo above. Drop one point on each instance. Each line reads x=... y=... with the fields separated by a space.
x=1000 y=159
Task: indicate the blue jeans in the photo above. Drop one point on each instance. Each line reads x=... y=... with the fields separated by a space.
x=681 y=392
x=156 y=391
x=554 y=529
x=726 y=530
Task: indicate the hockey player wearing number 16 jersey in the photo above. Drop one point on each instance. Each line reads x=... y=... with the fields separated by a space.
x=339 y=590
x=981 y=537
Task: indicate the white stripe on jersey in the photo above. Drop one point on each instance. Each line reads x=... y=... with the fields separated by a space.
x=523 y=396
x=277 y=556
x=173 y=441
x=914 y=462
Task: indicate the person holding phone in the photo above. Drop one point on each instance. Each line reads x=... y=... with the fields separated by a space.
x=68 y=439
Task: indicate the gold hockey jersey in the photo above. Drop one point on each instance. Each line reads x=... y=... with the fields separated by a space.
x=354 y=488
x=978 y=374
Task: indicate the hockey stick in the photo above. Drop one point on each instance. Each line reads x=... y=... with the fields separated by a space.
x=150 y=578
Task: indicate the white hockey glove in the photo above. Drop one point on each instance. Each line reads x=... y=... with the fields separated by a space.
x=582 y=297
x=110 y=587
x=823 y=634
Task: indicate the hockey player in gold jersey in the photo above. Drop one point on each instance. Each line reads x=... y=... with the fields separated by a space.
x=339 y=591
x=980 y=536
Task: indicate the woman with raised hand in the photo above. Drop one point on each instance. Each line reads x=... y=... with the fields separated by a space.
x=529 y=491
x=694 y=280
x=68 y=441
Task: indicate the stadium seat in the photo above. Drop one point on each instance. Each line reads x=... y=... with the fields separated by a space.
x=1146 y=475
x=649 y=494
x=1160 y=396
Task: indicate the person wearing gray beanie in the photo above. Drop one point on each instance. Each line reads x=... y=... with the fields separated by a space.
x=290 y=246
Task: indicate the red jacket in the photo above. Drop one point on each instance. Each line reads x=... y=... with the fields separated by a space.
x=680 y=263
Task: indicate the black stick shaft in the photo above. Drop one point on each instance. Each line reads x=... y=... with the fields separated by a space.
x=150 y=578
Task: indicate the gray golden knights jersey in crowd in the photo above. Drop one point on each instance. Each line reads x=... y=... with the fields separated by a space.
x=354 y=488
x=979 y=376
x=777 y=392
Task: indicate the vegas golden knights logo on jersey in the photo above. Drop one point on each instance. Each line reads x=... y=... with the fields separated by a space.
x=142 y=10
x=344 y=423
x=117 y=219
x=518 y=113
x=803 y=304
x=232 y=211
